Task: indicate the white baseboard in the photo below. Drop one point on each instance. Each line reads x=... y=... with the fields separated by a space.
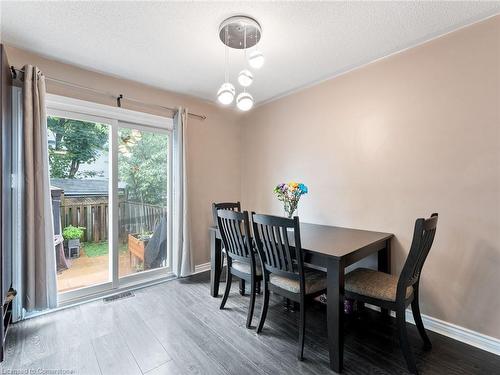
x=202 y=267
x=453 y=331
x=465 y=335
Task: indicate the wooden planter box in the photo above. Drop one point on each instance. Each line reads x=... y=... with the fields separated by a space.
x=136 y=246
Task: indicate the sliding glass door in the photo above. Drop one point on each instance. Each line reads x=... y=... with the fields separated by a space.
x=79 y=177
x=143 y=199
x=111 y=199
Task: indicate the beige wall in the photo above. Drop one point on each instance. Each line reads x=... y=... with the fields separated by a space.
x=398 y=139
x=214 y=141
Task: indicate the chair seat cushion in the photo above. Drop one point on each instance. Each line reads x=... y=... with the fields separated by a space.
x=314 y=280
x=245 y=267
x=374 y=284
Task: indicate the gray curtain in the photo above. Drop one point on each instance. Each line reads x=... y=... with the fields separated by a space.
x=39 y=265
x=182 y=262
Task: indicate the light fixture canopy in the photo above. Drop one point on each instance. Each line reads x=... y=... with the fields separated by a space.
x=245 y=78
x=244 y=101
x=226 y=93
x=256 y=59
x=240 y=32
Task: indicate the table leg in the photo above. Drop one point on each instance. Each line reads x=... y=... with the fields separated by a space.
x=384 y=265
x=335 y=313
x=242 y=287
x=215 y=263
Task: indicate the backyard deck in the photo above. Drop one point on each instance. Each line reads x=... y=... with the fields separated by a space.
x=87 y=271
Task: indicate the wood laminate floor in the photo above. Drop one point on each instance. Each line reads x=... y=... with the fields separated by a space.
x=177 y=328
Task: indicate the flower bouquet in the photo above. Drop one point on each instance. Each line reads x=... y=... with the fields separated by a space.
x=290 y=195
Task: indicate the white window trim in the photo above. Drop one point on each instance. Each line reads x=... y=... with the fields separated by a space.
x=17 y=201
x=116 y=117
x=63 y=103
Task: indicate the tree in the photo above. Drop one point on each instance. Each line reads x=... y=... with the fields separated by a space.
x=143 y=166
x=142 y=156
x=76 y=143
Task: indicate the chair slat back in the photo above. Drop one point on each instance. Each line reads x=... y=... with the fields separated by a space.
x=273 y=243
x=234 y=228
x=233 y=206
x=423 y=237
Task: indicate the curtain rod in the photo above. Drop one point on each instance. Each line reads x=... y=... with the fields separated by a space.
x=118 y=98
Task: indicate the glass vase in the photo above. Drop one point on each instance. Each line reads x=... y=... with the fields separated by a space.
x=290 y=216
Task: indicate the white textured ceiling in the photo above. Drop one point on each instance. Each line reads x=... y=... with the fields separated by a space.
x=174 y=45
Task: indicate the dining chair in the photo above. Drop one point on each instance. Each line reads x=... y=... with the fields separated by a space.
x=396 y=293
x=283 y=267
x=242 y=261
x=233 y=206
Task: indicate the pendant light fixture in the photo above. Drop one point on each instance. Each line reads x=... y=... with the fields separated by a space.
x=256 y=59
x=226 y=93
x=245 y=78
x=240 y=32
x=244 y=101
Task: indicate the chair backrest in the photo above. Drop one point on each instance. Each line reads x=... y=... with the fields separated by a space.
x=234 y=228
x=273 y=244
x=423 y=237
x=233 y=206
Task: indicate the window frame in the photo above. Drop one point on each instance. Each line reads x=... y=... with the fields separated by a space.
x=117 y=118
x=17 y=200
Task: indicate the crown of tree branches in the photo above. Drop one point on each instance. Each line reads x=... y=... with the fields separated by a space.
x=142 y=165
x=76 y=143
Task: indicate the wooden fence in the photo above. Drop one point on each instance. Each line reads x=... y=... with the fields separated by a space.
x=133 y=218
x=139 y=218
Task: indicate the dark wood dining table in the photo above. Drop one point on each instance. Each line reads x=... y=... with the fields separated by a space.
x=332 y=249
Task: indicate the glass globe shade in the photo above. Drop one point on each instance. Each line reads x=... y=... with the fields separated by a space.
x=245 y=78
x=226 y=93
x=256 y=59
x=244 y=101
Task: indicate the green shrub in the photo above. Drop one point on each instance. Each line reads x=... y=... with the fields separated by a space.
x=73 y=233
